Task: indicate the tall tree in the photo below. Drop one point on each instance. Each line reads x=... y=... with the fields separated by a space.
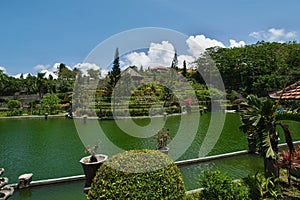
x=141 y=69
x=41 y=84
x=115 y=74
x=64 y=73
x=114 y=77
x=184 y=69
x=30 y=84
x=174 y=64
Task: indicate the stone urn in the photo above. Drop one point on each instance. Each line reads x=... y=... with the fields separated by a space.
x=90 y=168
x=164 y=150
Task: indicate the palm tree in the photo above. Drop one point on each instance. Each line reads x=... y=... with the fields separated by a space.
x=30 y=84
x=260 y=118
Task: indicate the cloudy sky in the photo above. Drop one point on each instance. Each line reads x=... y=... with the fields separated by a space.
x=35 y=35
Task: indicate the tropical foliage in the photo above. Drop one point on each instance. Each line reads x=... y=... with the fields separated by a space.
x=260 y=118
x=260 y=187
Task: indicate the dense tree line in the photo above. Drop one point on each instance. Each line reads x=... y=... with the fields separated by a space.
x=39 y=84
x=260 y=68
x=253 y=69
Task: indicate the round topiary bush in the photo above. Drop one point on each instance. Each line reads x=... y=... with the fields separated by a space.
x=138 y=174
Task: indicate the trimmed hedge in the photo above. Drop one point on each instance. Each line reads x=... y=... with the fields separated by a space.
x=138 y=174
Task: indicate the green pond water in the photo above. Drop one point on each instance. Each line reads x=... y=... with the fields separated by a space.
x=238 y=167
x=52 y=148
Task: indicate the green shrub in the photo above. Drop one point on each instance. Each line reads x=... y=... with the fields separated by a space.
x=14 y=113
x=221 y=186
x=138 y=174
x=261 y=187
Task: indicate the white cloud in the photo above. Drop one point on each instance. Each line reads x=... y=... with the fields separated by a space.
x=197 y=44
x=54 y=68
x=273 y=34
x=48 y=73
x=188 y=59
x=104 y=72
x=138 y=59
x=19 y=75
x=291 y=34
x=255 y=34
x=3 y=69
x=84 y=67
x=53 y=71
x=234 y=43
x=40 y=67
x=159 y=54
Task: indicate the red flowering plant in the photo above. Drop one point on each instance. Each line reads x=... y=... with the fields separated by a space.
x=290 y=161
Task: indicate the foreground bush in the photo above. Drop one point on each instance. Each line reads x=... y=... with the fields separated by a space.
x=138 y=174
x=221 y=186
x=261 y=187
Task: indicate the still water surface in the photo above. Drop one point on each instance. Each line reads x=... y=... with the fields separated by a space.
x=52 y=148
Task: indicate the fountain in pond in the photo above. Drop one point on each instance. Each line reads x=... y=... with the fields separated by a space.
x=5 y=191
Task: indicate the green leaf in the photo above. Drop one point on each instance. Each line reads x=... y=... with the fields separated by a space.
x=258 y=118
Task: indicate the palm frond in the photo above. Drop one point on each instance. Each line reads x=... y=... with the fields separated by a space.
x=268 y=150
x=258 y=119
x=288 y=116
x=288 y=136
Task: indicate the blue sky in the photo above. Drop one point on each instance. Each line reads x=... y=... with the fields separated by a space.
x=36 y=34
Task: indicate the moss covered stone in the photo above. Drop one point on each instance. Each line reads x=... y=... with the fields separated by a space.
x=138 y=174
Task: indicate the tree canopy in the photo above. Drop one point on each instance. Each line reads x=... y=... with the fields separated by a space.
x=258 y=68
